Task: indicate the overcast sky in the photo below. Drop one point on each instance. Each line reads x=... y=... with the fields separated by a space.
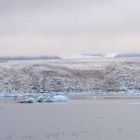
x=41 y=27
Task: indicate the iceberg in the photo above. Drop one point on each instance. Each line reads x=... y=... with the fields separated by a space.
x=57 y=98
x=40 y=99
x=3 y=94
x=28 y=100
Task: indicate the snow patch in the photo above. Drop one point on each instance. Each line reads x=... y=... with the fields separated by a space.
x=111 y=55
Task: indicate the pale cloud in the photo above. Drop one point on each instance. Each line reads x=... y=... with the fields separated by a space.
x=41 y=27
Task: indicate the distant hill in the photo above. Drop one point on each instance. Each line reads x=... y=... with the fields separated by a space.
x=128 y=55
x=113 y=55
x=29 y=58
x=75 y=56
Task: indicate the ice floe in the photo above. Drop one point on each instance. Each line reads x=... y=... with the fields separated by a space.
x=43 y=99
x=40 y=99
x=57 y=98
x=28 y=100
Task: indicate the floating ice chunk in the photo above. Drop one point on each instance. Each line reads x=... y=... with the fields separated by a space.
x=28 y=100
x=3 y=94
x=57 y=98
x=133 y=92
x=40 y=99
